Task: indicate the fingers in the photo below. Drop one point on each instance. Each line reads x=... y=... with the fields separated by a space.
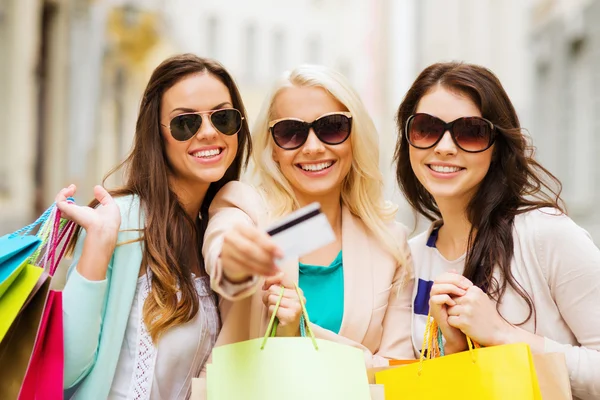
x=64 y=193
x=456 y=310
x=273 y=280
x=454 y=279
x=287 y=316
x=246 y=255
x=261 y=238
x=446 y=288
x=271 y=296
x=440 y=300
x=102 y=195
x=66 y=208
x=455 y=322
x=282 y=280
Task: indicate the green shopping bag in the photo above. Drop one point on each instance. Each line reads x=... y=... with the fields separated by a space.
x=18 y=276
x=14 y=299
x=296 y=368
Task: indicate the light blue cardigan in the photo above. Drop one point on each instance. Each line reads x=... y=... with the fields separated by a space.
x=96 y=312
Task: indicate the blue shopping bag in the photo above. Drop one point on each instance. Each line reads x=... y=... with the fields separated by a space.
x=16 y=249
x=14 y=253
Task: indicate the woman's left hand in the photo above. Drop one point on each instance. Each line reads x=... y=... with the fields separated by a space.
x=290 y=309
x=476 y=316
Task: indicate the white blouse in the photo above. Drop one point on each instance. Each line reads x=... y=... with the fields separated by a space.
x=165 y=372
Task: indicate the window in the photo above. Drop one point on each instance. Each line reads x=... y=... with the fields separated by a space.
x=579 y=185
x=4 y=71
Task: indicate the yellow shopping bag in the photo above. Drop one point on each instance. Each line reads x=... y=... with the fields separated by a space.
x=17 y=294
x=291 y=368
x=491 y=373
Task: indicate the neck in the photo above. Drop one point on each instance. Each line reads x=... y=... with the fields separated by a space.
x=453 y=236
x=190 y=195
x=330 y=206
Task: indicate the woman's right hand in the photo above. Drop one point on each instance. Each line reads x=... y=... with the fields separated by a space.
x=248 y=251
x=444 y=289
x=100 y=222
x=101 y=225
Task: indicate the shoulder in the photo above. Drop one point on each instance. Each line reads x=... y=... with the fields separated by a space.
x=128 y=203
x=241 y=196
x=398 y=230
x=131 y=211
x=547 y=225
x=419 y=240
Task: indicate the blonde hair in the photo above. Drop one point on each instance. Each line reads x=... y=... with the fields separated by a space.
x=362 y=188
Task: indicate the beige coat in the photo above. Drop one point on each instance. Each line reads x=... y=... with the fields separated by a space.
x=377 y=307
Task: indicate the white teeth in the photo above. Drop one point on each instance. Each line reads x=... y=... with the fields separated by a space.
x=316 y=167
x=444 y=168
x=207 y=153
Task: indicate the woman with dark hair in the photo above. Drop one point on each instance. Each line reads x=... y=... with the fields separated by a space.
x=140 y=319
x=502 y=262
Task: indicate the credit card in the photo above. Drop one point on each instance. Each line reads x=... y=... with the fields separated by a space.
x=302 y=232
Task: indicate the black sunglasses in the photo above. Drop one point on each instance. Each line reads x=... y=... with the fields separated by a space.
x=227 y=121
x=470 y=134
x=291 y=133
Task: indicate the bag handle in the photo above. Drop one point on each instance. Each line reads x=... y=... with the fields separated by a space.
x=58 y=234
x=304 y=321
x=27 y=229
x=52 y=233
x=432 y=343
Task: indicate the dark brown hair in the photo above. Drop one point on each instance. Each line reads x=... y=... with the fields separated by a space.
x=515 y=183
x=172 y=239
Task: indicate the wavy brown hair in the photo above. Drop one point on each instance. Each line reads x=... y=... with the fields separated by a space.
x=172 y=239
x=515 y=182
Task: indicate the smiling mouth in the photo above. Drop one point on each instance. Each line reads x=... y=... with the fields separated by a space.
x=315 y=167
x=207 y=153
x=444 y=169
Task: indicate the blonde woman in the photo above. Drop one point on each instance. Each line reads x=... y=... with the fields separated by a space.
x=316 y=144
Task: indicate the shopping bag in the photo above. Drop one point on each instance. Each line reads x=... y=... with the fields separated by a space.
x=298 y=368
x=13 y=299
x=45 y=371
x=491 y=373
x=17 y=346
x=14 y=252
x=31 y=354
x=553 y=376
x=44 y=375
x=377 y=392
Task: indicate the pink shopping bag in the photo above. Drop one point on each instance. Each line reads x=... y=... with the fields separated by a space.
x=44 y=376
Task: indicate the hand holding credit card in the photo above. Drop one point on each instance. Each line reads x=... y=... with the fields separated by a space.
x=302 y=232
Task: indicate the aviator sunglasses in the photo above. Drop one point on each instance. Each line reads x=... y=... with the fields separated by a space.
x=470 y=134
x=292 y=133
x=227 y=121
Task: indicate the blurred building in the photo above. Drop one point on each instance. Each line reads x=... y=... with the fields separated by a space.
x=73 y=72
x=488 y=32
x=565 y=41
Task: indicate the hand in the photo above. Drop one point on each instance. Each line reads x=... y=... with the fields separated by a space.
x=475 y=314
x=103 y=221
x=446 y=288
x=290 y=309
x=248 y=251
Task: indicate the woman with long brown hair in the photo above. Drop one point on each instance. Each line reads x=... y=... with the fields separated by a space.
x=502 y=262
x=140 y=319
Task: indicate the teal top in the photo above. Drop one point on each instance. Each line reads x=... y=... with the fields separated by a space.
x=95 y=313
x=323 y=288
